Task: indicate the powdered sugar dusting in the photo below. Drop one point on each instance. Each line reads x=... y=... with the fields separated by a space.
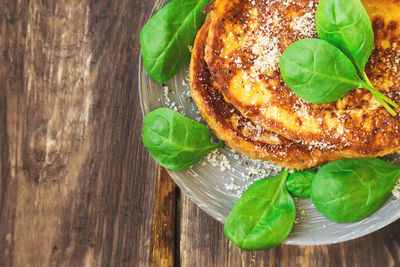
x=305 y=25
x=243 y=170
x=217 y=159
x=267 y=54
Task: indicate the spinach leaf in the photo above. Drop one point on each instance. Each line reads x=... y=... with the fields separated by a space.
x=166 y=37
x=299 y=183
x=174 y=141
x=346 y=24
x=350 y=190
x=263 y=216
x=317 y=71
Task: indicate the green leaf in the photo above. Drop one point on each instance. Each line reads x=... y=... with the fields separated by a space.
x=317 y=71
x=350 y=190
x=299 y=183
x=346 y=24
x=263 y=216
x=174 y=141
x=166 y=37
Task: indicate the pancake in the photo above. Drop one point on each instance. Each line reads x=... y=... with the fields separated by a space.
x=237 y=131
x=245 y=41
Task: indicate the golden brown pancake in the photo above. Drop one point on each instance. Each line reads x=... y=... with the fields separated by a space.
x=245 y=41
x=239 y=132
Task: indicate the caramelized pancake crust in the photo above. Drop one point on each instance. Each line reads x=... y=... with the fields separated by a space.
x=237 y=131
x=245 y=41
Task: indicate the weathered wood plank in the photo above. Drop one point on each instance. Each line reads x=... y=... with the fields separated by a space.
x=163 y=229
x=202 y=241
x=204 y=244
x=77 y=186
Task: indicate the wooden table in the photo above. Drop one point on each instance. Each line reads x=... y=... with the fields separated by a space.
x=77 y=187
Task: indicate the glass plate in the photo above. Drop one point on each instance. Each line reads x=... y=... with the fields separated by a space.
x=215 y=185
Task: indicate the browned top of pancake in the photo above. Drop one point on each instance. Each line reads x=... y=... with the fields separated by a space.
x=243 y=48
x=240 y=132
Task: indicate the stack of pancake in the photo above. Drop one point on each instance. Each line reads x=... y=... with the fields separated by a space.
x=237 y=86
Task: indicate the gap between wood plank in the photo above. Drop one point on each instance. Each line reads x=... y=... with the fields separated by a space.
x=165 y=229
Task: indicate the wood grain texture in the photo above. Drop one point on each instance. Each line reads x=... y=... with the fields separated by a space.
x=164 y=224
x=77 y=187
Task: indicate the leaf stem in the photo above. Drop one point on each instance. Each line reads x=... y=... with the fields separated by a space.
x=379 y=96
x=371 y=87
x=384 y=104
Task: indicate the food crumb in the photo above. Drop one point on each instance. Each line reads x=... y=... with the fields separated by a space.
x=216 y=159
x=232 y=185
x=396 y=190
